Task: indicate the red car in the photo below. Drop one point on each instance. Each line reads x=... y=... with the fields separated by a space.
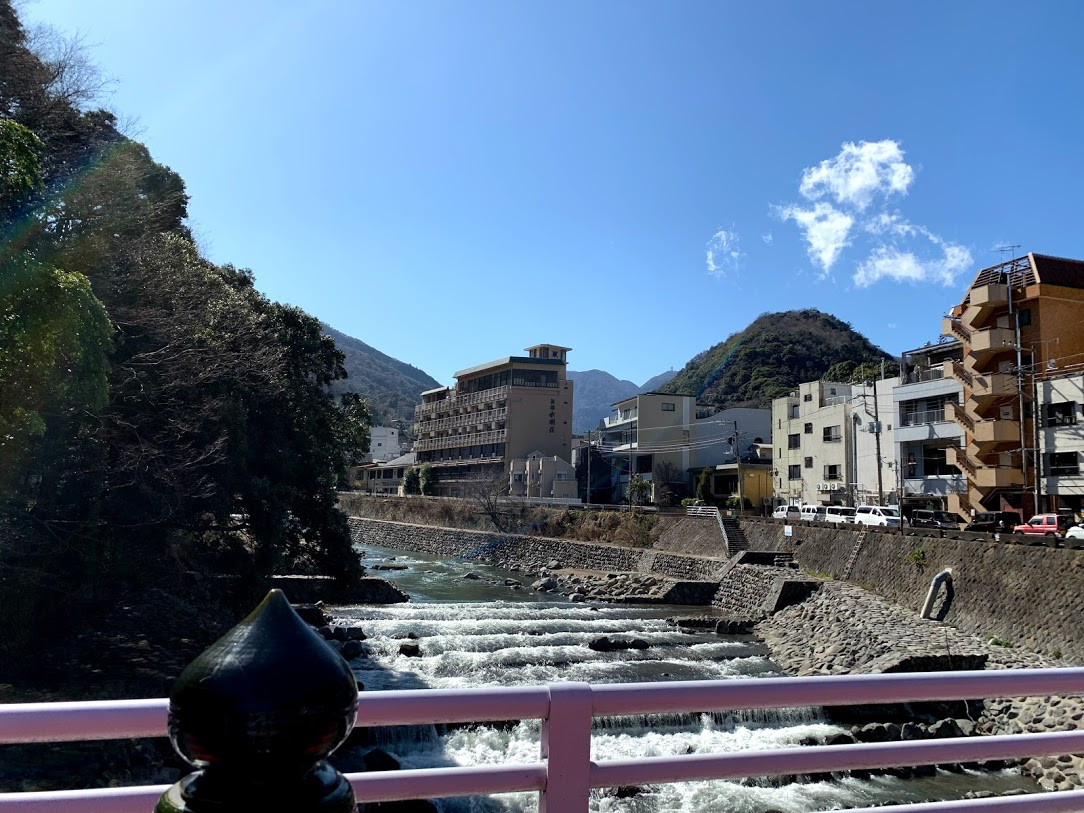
x=1044 y=525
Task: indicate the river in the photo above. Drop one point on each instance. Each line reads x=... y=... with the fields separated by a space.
x=479 y=632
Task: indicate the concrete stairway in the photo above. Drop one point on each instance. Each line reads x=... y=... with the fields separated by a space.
x=735 y=539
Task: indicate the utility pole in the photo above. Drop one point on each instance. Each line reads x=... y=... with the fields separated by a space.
x=877 y=439
x=590 y=449
x=737 y=455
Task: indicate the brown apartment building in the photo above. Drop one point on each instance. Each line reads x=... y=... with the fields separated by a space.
x=497 y=412
x=1018 y=322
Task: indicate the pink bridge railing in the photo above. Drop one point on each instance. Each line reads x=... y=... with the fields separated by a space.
x=565 y=772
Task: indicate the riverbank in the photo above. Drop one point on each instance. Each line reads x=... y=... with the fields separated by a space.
x=810 y=623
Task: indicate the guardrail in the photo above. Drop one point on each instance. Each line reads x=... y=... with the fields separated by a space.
x=565 y=772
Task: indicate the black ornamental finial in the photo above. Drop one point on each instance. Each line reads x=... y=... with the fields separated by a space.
x=257 y=713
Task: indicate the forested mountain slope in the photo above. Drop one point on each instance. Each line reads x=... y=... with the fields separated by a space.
x=392 y=388
x=770 y=357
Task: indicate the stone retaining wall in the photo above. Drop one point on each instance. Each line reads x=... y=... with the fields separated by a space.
x=1031 y=596
x=532 y=553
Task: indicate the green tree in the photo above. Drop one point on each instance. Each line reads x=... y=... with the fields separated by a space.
x=412 y=481
x=703 y=485
x=427 y=480
x=54 y=345
x=639 y=490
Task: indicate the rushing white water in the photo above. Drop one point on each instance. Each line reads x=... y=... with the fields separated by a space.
x=480 y=632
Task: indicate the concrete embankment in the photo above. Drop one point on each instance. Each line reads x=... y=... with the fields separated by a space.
x=1025 y=595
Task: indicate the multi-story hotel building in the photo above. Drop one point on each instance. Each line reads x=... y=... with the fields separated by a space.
x=1017 y=319
x=497 y=412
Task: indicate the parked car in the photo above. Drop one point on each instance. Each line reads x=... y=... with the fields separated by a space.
x=839 y=513
x=814 y=513
x=994 y=522
x=1044 y=525
x=1076 y=532
x=923 y=518
x=791 y=513
x=877 y=515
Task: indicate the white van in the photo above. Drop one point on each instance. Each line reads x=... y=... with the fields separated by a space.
x=814 y=513
x=877 y=515
x=791 y=513
x=840 y=513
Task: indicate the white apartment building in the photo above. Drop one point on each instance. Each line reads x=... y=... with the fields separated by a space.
x=834 y=445
x=383 y=444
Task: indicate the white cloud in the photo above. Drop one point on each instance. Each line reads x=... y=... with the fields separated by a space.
x=826 y=231
x=768 y=238
x=847 y=205
x=723 y=252
x=858 y=174
x=890 y=262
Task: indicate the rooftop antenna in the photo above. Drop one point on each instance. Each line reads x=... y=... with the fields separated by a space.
x=1009 y=250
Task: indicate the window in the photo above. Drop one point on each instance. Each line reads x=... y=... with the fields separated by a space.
x=832 y=473
x=1062 y=464
x=794 y=441
x=667 y=406
x=807 y=397
x=809 y=429
x=809 y=462
x=1061 y=414
x=1024 y=315
x=794 y=473
x=832 y=434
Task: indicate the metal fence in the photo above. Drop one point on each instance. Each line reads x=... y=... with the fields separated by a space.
x=565 y=773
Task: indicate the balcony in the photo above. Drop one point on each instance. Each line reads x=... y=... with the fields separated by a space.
x=987 y=390
x=988 y=478
x=989 y=436
x=985 y=302
x=986 y=344
x=459 y=441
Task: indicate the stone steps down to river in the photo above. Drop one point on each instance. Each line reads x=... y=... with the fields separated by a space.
x=735 y=537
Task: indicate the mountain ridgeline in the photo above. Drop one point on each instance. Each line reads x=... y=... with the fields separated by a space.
x=771 y=357
x=391 y=387
x=596 y=391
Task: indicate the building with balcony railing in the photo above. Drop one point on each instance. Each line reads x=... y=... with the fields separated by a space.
x=926 y=435
x=497 y=412
x=1016 y=319
x=656 y=432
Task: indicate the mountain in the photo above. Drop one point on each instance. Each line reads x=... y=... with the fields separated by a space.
x=594 y=391
x=771 y=357
x=655 y=382
x=392 y=387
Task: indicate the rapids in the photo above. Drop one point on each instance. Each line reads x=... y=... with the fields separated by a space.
x=481 y=632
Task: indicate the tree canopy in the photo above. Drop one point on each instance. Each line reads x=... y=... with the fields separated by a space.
x=157 y=413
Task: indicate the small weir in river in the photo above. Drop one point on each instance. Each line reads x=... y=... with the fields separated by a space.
x=480 y=632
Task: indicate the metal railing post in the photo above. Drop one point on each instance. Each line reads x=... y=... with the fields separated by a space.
x=566 y=749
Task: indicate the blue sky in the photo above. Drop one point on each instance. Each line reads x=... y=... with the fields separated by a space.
x=452 y=182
